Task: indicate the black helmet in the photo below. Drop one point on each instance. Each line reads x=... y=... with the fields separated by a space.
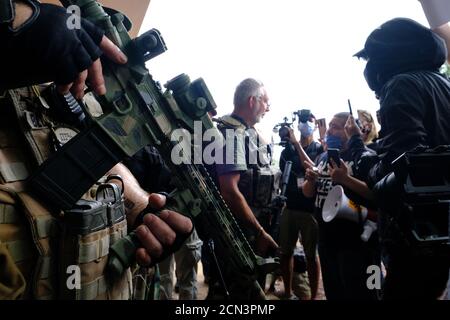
x=400 y=45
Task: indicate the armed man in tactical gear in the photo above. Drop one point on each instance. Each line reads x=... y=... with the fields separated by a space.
x=65 y=254
x=135 y=112
x=245 y=178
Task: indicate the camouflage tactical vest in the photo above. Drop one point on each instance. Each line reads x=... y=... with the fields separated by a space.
x=61 y=255
x=260 y=182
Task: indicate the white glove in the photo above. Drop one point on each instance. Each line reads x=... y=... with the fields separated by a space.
x=369 y=228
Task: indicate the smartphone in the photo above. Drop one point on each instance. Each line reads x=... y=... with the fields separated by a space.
x=350 y=107
x=334 y=154
x=322 y=124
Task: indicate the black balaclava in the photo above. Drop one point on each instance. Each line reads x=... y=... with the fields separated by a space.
x=397 y=46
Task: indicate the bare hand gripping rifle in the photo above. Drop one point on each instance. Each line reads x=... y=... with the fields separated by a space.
x=137 y=113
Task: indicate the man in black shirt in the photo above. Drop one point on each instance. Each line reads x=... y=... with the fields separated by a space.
x=297 y=216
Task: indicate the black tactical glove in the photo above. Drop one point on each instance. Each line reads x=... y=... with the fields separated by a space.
x=180 y=237
x=45 y=49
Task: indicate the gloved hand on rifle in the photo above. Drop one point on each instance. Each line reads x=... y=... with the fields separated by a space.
x=40 y=45
x=160 y=235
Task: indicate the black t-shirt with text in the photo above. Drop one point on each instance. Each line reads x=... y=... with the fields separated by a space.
x=295 y=198
x=338 y=232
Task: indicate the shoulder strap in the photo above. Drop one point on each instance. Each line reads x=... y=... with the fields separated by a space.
x=228 y=122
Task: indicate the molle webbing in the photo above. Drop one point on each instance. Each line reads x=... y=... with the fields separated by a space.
x=34 y=125
x=44 y=231
x=81 y=238
x=90 y=228
x=20 y=214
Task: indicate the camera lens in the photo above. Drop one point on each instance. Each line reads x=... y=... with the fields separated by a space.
x=284 y=133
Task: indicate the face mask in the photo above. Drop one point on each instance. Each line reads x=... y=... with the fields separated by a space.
x=371 y=77
x=306 y=128
x=333 y=142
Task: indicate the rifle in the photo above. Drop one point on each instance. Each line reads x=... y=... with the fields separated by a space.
x=137 y=113
x=285 y=179
x=279 y=201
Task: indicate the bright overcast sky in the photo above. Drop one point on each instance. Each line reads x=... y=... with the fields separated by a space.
x=301 y=49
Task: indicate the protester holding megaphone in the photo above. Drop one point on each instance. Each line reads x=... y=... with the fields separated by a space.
x=344 y=254
x=337 y=203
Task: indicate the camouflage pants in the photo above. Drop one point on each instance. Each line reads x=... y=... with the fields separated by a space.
x=183 y=264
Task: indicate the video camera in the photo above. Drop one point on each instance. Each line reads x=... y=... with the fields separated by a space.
x=283 y=130
x=283 y=127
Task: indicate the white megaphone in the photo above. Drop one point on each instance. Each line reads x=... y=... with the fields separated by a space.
x=338 y=205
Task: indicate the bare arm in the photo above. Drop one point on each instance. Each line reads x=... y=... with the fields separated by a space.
x=444 y=32
x=136 y=198
x=359 y=187
x=309 y=186
x=340 y=175
x=300 y=151
x=309 y=189
x=438 y=16
x=239 y=207
x=236 y=201
x=302 y=154
x=23 y=13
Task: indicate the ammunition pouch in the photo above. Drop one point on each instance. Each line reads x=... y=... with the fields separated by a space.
x=65 y=254
x=259 y=185
x=89 y=229
x=71 y=249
